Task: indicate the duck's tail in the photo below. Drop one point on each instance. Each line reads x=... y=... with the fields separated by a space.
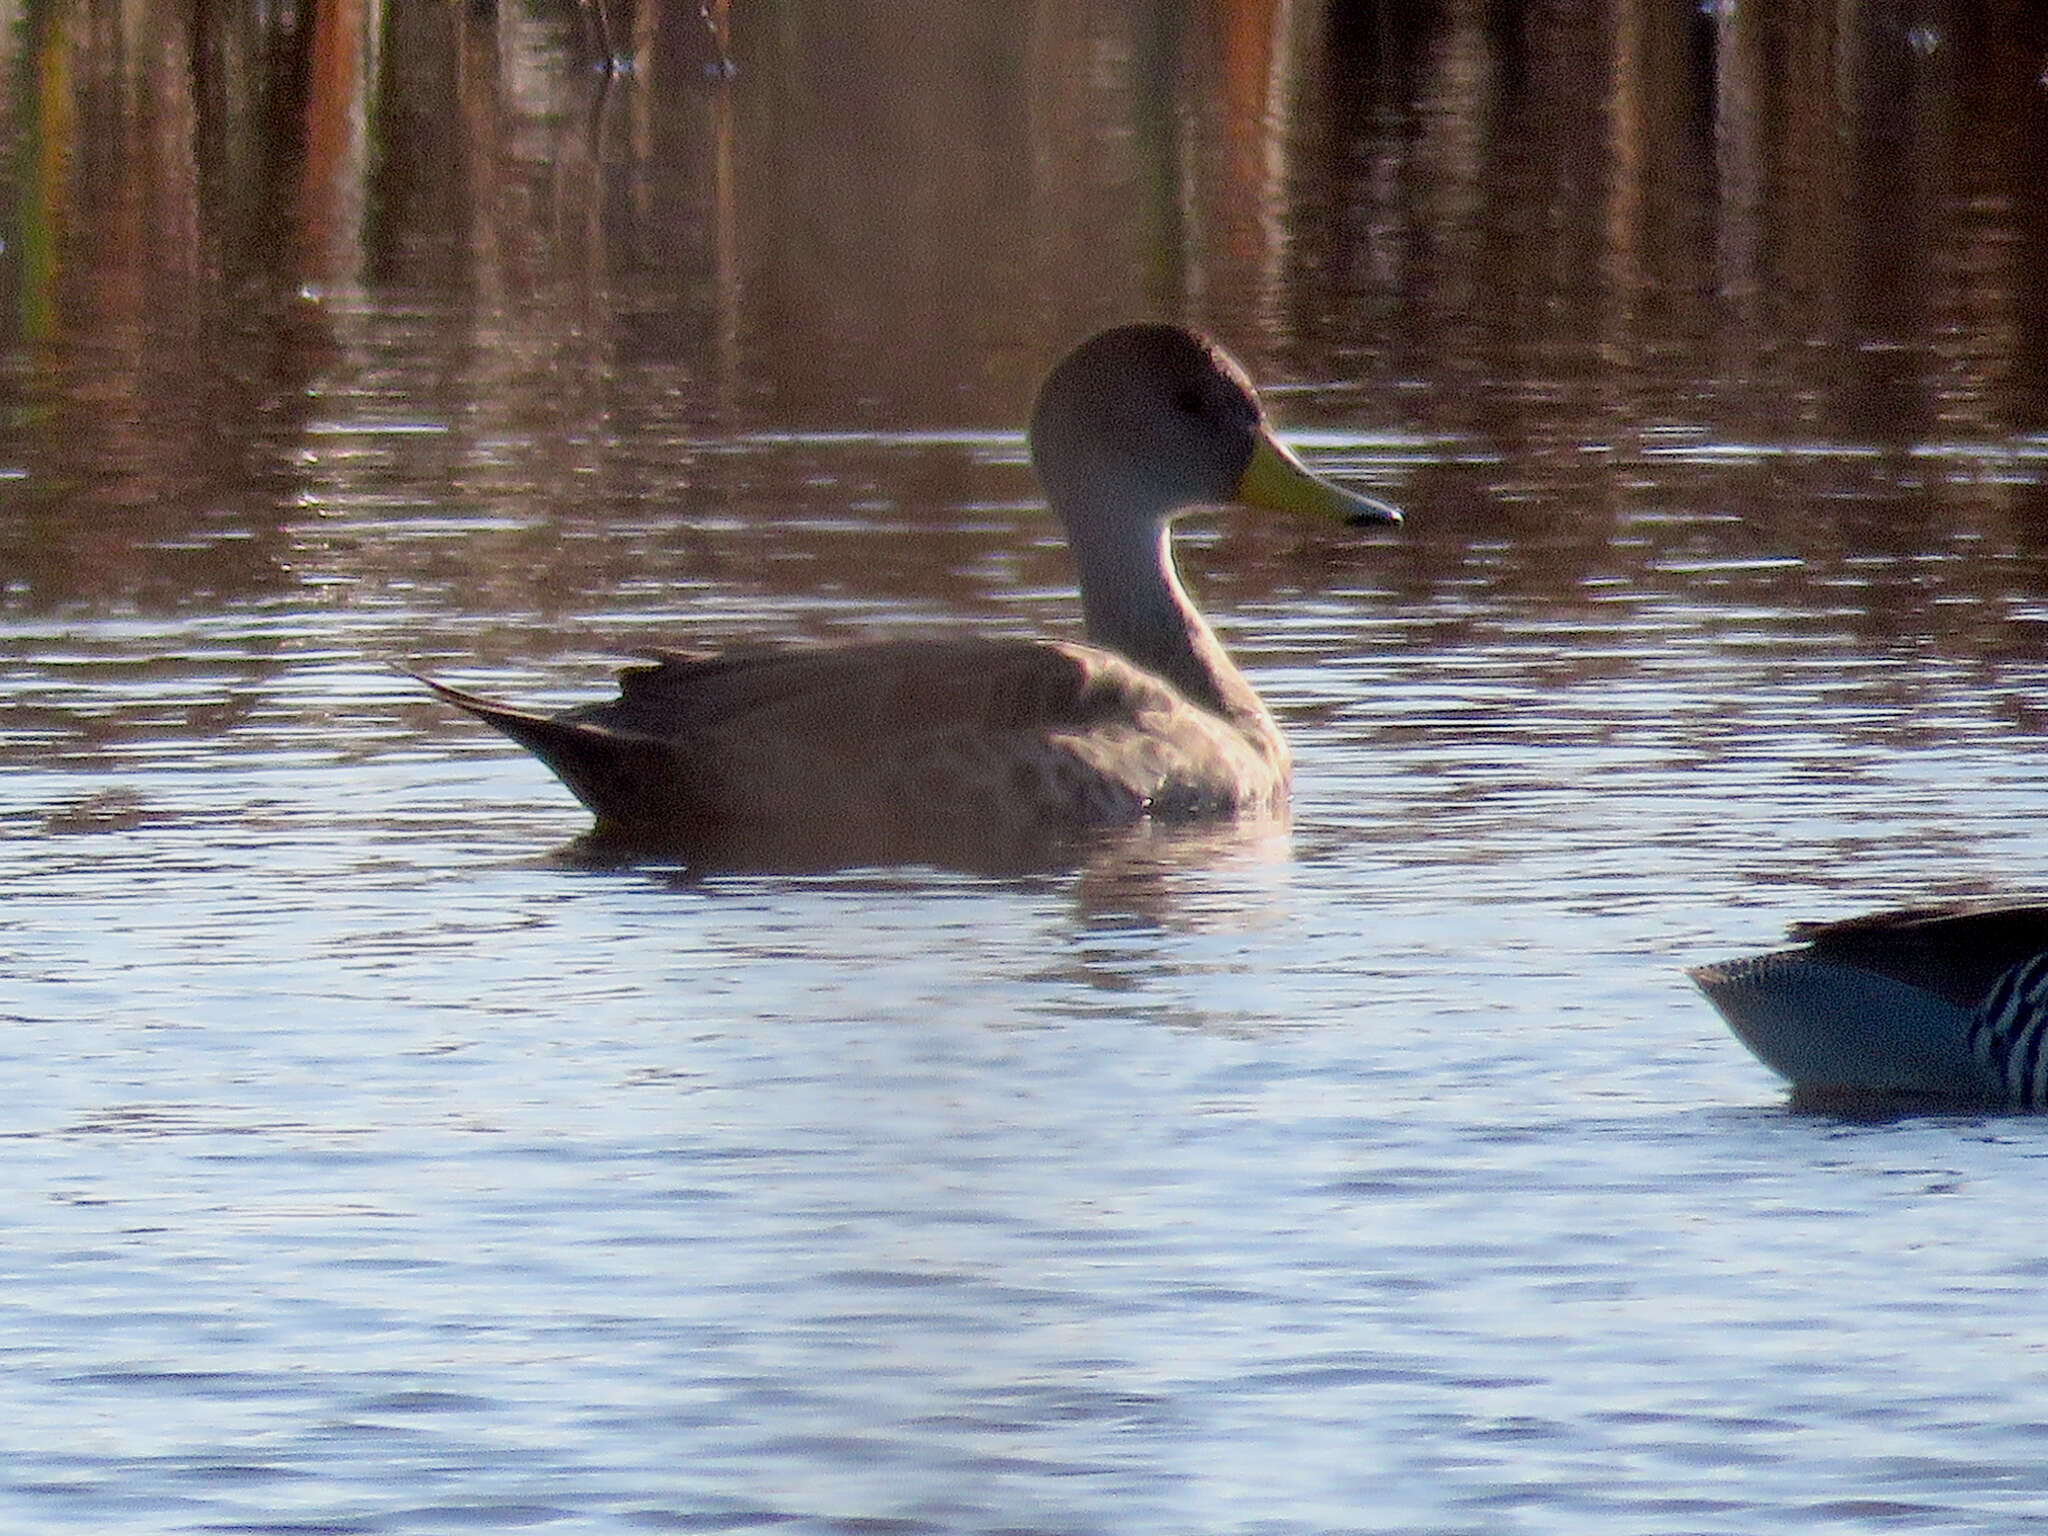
x=621 y=776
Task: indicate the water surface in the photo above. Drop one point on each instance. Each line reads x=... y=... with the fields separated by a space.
x=374 y=1169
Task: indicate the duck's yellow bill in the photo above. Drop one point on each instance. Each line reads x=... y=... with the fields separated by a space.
x=1278 y=481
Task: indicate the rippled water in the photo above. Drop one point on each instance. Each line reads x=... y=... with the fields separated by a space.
x=373 y=1172
x=374 y=1169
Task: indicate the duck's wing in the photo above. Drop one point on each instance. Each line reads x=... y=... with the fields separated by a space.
x=878 y=691
x=959 y=752
x=1956 y=951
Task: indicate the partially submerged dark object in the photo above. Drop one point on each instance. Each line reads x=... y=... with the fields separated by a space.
x=1943 y=1005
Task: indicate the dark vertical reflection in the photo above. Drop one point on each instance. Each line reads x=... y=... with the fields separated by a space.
x=1894 y=117
x=1741 y=166
x=2021 y=106
x=1164 y=223
x=881 y=232
x=436 y=103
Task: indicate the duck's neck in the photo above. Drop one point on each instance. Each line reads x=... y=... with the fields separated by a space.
x=1134 y=604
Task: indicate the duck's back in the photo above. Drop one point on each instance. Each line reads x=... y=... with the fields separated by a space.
x=1955 y=951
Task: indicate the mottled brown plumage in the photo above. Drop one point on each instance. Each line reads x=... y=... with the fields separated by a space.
x=978 y=753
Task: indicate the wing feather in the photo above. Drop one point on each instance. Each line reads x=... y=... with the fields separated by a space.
x=904 y=688
x=1955 y=951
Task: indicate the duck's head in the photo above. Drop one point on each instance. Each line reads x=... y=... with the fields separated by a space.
x=1141 y=422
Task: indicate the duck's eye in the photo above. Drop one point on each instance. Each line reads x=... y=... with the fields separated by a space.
x=1188 y=400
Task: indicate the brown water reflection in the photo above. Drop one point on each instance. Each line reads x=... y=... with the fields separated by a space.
x=277 y=280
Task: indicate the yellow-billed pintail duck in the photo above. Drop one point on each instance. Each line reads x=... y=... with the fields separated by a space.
x=981 y=753
x=1939 y=1003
